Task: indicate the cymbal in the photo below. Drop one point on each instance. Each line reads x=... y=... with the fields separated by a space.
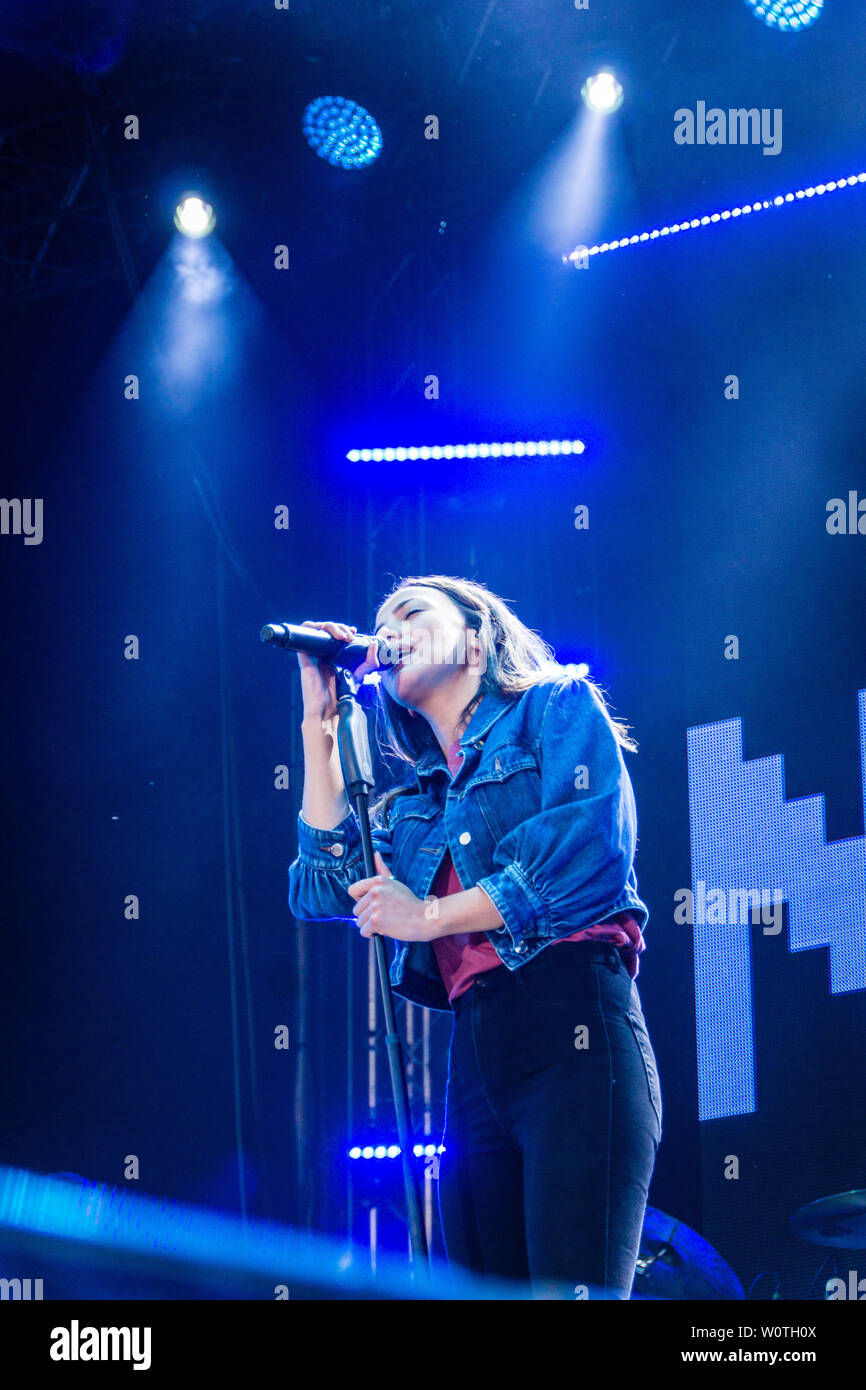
x=676 y=1263
x=839 y=1220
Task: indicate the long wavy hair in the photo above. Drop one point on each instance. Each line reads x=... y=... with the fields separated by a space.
x=513 y=659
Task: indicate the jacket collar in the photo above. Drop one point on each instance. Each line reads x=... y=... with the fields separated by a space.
x=490 y=708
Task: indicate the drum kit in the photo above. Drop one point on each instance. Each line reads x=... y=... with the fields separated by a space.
x=676 y=1263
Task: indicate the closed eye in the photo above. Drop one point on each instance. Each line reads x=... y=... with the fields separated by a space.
x=403 y=619
x=407 y=615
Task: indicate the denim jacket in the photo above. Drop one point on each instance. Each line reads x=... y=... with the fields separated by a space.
x=540 y=815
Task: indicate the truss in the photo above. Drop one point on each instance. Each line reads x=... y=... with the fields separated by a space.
x=61 y=226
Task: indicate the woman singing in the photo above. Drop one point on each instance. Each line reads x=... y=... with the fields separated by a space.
x=506 y=881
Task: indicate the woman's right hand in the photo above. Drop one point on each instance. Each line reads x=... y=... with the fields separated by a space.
x=318 y=678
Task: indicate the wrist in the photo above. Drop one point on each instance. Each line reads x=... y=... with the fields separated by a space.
x=315 y=724
x=469 y=911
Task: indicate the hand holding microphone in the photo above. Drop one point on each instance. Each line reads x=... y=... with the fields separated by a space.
x=318 y=678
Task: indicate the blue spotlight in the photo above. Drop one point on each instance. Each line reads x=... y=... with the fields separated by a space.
x=342 y=132
x=194 y=217
x=602 y=93
x=788 y=15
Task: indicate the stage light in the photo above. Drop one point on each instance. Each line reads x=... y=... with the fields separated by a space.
x=602 y=93
x=393 y=1150
x=788 y=15
x=518 y=449
x=194 y=217
x=96 y=1229
x=342 y=132
x=203 y=276
x=580 y=254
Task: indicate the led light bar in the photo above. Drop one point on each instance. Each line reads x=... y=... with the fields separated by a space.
x=580 y=253
x=394 y=1150
x=529 y=448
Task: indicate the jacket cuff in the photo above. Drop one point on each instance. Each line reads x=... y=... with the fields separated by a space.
x=516 y=901
x=327 y=849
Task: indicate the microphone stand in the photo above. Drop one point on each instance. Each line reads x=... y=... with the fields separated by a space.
x=354 y=746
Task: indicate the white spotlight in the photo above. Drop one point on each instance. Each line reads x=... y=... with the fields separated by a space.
x=602 y=93
x=194 y=217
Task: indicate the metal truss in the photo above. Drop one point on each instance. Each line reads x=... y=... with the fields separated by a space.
x=60 y=221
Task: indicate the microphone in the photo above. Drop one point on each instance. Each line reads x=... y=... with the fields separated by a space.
x=314 y=642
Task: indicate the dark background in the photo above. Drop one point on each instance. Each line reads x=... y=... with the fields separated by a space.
x=707 y=518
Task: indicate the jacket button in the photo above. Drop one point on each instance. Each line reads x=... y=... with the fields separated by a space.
x=337 y=850
x=465 y=838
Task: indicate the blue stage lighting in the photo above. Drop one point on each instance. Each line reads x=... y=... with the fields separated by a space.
x=579 y=255
x=544 y=448
x=342 y=132
x=193 y=216
x=602 y=93
x=789 y=15
x=426 y=1150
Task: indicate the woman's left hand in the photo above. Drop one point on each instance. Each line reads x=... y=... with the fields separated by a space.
x=386 y=907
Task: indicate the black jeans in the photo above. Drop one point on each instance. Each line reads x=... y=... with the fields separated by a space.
x=553 y=1120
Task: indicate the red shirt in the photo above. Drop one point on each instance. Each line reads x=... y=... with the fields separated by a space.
x=464 y=955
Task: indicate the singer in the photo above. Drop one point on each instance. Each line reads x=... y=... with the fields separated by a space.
x=506 y=882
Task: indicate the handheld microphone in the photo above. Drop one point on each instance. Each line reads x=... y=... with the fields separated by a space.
x=314 y=642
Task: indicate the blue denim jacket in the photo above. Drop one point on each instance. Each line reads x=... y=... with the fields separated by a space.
x=540 y=815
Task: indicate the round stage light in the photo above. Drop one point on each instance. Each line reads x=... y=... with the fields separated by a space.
x=193 y=216
x=342 y=132
x=602 y=93
x=788 y=15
